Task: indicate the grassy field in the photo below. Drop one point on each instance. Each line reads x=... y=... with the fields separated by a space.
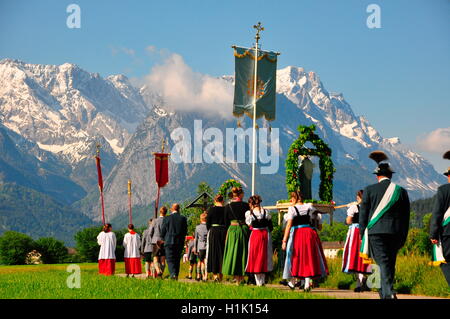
x=49 y=282
x=413 y=276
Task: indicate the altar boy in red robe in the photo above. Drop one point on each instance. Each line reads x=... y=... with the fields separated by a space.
x=107 y=257
x=132 y=254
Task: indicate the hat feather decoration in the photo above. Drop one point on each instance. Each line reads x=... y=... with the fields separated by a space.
x=378 y=156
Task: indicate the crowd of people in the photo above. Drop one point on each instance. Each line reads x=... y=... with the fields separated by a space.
x=234 y=239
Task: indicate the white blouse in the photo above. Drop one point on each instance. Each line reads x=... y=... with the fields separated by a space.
x=303 y=209
x=352 y=210
x=259 y=215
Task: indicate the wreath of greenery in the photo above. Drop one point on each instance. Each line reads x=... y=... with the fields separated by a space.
x=225 y=189
x=325 y=163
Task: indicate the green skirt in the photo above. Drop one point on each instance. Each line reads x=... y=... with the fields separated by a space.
x=236 y=251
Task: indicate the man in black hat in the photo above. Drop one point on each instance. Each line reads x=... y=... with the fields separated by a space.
x=440 y=222
x=384 y=221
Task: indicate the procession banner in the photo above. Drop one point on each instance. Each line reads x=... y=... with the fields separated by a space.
x=161 y=169
x=244 y=83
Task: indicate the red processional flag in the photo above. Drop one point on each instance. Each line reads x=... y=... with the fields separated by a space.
x=162 y=169
x=100 y=182
x=99 y=173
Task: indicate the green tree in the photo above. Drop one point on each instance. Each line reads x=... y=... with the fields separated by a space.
x=204 y=187
x=14 y=247
x=52 y=251
x=86 y=243
x=88 y=247
x=335 y=232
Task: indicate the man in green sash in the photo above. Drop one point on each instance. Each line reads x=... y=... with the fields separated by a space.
x=384 y=223
x=440 y=224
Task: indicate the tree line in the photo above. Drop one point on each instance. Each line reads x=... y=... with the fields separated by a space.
x=15 y=246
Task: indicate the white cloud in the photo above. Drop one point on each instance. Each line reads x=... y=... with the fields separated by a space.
x=116 y=50
x=186 y=90
x=437 y=141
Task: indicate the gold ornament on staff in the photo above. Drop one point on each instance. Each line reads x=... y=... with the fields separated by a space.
x=130 y=213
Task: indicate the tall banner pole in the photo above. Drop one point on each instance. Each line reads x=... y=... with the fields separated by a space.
x=129 y=202
x=157 y=202
x=258 y=28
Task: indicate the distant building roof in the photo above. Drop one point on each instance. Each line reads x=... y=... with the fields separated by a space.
x=333 y=244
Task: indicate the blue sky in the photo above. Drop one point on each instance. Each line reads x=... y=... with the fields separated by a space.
x=397 y=76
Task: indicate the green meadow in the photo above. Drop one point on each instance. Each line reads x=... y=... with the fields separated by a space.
x=49 y=282
x=413 y=276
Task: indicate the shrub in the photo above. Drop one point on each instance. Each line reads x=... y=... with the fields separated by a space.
x=417 y=243
x=336 y=232
x=86 y=243
x=52 y=251
x=14 y=247
x=88 y=247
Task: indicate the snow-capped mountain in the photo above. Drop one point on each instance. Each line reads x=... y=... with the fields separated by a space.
x=65 y=111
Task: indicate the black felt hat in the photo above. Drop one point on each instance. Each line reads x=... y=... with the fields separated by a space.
x=383 y=169
x=447 y=156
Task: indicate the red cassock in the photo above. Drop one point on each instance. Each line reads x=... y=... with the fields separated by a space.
x=133 y=266
x=132 y=255
x=106 y=266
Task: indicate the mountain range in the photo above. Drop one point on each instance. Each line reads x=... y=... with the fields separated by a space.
x=52 y=117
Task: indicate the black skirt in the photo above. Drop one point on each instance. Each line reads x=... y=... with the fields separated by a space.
x=216 y=246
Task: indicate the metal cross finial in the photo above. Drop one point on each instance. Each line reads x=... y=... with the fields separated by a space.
x=258 y=28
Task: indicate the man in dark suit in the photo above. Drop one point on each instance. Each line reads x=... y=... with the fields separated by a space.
x=387 y=234
x=173 y=231
x=437 y=229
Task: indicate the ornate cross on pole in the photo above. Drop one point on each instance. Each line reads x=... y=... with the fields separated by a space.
x=258 y=28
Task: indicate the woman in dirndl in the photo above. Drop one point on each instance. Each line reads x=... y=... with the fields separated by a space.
x=217 y=233
x=352 y=263
x=236 y=244
x=107 y=255
x=259 y=261
x=304 y=254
